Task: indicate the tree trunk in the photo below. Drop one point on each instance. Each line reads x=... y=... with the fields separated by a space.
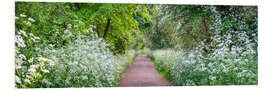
x=107 y=28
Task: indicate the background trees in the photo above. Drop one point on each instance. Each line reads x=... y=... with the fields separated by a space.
x=117 y=23
x=188 y=27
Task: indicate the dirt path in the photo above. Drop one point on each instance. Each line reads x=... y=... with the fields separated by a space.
x=142 y=73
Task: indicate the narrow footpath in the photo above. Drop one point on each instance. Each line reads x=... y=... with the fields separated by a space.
x=142 y=73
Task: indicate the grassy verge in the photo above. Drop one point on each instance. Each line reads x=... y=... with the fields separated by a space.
x=162 y=71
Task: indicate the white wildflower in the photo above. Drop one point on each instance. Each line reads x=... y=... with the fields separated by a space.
x=19 y=41
x=69 y=25
x=27 y=81
x=22 y=57
x=84 y=77
x=31 y=60
x=66 y=31
x=237 y=60
x=31 y=19
x=22 y=15
x=27 y=23
x=16 y=18
x=75 y=62
x=213 y=78
x=246 y=60
x=34 y=66
x=44 y=70
x=23 y=32
x=42 y=59
x=18 y=80
x=239 y=75
x=34 y=38
x=51 y=46
x=51 y=63
x=32 y=70
x=235 y=68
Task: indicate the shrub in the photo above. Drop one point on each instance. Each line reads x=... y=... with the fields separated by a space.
x=85 y=62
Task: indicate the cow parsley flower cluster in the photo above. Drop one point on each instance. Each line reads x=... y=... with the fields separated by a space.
x=232 y=58
x=85 y=62
x=28 y=70
x=227 y=69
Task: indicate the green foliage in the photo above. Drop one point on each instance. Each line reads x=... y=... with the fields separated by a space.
x=86 y=62
x=103 y=34
x=43 y=25
x=183 y=26
x=52 y=19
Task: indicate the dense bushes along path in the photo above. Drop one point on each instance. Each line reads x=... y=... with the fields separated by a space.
x=142 y=73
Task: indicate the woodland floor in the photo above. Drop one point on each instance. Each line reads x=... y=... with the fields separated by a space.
x=142 y=73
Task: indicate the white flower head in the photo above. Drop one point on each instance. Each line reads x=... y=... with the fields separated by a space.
x=213 y=78
x=16 y=18
x=22 y=15
x=51 y=45
x=27 y=81
x=32 y=70
x=44 y=70
x=34 y=38
x=66 y=31
x=84 y=77
x=22 y=57
x=239 y=75
x=42 y=59
x=27 y=23
x=31 y=19
x=51 y=63
x=23 y=32
x=31 y=60
x=19 y=40
x=18 y=80
x=69 y=25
